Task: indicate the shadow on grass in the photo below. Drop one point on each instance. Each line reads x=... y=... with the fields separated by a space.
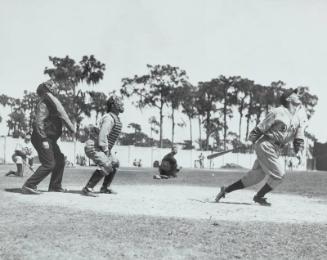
x=222 y=202
x=236 y=203
x=14 y=190
x=19 y=190
x=67 y=191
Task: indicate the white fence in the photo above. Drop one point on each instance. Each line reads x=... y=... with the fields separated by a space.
x=147 y=155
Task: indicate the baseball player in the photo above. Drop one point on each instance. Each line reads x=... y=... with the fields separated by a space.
x=99 y=145
x=168 y=167
x=281 y=126
x=23 y=154
x=47 y=128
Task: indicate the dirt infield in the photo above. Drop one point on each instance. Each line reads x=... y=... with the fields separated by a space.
x=186 y=202
x=165 y=219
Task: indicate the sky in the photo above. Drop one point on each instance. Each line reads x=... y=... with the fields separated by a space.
x=263 y=40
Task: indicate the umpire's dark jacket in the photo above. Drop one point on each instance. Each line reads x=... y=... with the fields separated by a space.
x=47 y=124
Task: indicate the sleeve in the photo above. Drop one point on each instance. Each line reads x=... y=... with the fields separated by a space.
x=106 y=126
x=42 y=113
x=270 y=119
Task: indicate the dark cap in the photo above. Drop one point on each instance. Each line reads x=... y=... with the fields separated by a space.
x=284 y=98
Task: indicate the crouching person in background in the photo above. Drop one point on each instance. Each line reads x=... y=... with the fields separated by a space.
x=23 y=155
x=99 y=145
x=168 y=167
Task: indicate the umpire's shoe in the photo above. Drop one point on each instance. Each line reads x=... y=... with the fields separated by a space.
x=88 y=192
x=29 y=190
x=58 y=190
x=261 y=200
x=107 y=191
x=221 y=194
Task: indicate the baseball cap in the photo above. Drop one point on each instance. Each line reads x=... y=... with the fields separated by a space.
x=290 y=95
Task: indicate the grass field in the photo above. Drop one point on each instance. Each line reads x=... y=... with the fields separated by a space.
x=164 y=219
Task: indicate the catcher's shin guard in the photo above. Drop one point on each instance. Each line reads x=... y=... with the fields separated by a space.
x=95 y=178
x=108 y=179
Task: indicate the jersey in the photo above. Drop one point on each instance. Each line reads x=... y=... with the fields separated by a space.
x=110 y=129
x=281 y=126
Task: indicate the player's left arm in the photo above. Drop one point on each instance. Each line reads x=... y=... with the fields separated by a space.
x=263 y=126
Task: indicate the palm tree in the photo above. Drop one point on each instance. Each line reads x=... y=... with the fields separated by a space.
x=154 y=88
x=188 y=105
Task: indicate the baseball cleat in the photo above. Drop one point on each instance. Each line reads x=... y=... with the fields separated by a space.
x=29 y=190
x=105 y=190
x=261 y=200
x=88 y=192
x=221 y=194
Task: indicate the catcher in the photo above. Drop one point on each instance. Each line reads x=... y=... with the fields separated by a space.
x=168 y=167
x=281 y=126
x=23 y=154
x=99 y=145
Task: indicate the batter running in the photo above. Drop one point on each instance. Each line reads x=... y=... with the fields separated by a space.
x=281 y=126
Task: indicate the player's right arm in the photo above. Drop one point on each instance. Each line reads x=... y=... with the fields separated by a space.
x=107 y=123
x=42 y=113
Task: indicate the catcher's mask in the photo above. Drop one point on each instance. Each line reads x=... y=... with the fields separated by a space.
x=45 y=87
x=290 y=97
x=115 y=104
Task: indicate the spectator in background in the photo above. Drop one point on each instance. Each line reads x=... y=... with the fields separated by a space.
x=201 y=160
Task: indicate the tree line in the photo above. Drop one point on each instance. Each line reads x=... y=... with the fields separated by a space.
x=163 y=88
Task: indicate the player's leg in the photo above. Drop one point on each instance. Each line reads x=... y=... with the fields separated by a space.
x=272 y=165
x=107 y=182
x=58 y=171
x=105 y=165
x=252 y=177
x=47 y=160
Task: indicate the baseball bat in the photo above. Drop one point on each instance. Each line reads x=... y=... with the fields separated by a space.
x=214 y=155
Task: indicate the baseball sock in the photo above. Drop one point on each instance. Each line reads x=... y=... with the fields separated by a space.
x=95 y=178
x=108 y=179
x=235 y=186
x=19 y=169
x=264 y=190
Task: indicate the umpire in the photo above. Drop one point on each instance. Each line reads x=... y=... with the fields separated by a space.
x=47 y=128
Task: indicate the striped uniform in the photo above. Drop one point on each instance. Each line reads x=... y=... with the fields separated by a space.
x=276 y=130
x=98 y=146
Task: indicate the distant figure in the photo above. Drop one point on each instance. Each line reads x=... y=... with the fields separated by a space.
x=139 y=163
x=168 y=167
x=201 y=160
x=290 y=165
x=135 y=163
x=23 y=154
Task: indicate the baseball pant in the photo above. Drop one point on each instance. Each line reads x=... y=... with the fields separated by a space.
x=52 y=160
x=98 y=157
x=267 y=165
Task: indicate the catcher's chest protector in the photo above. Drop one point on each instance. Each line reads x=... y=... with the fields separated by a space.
x=115 y=132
